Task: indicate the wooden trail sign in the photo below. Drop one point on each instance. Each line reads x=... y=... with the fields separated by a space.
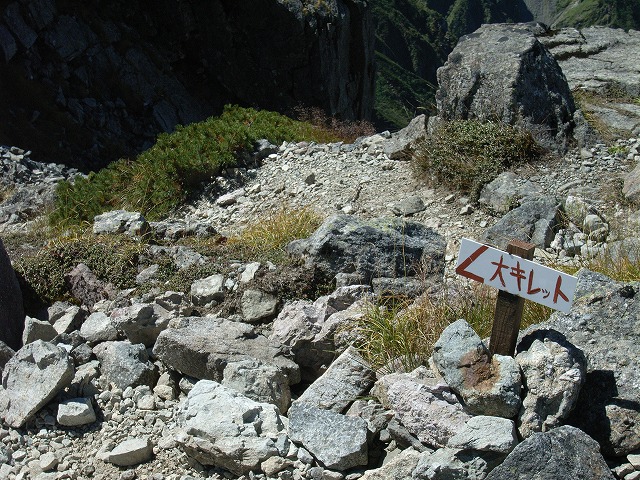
x=517 y=278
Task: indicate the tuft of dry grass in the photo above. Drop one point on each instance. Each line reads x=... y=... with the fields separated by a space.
x=333 y=128
x=398 y=335
x=266 y=238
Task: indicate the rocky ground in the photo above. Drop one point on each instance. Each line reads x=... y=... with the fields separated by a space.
x=129 y=385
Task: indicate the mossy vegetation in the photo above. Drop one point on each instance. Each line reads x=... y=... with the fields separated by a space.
x=161 y=178
x=464 y=155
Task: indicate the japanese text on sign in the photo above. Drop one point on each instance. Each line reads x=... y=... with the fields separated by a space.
x=516 y=275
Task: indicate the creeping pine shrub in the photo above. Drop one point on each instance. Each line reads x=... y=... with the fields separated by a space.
x=161 y=178
x=465 y=155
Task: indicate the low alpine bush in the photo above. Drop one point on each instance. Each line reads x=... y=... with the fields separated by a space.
x=464 y=155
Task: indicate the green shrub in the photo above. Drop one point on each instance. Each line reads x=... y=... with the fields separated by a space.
x=161 y=178
x=465 y=155
x=111 y=259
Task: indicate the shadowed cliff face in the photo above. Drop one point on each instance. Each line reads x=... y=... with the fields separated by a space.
x=87 y=82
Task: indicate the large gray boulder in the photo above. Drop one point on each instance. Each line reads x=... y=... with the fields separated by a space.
x=603 y=323
x=202 y=347
x=534 y=221
x=553 y=372
x=221 y=427
x=565 y=452
x=368 y=249
x=11 y=309
x=502 y=72
x=125 y=364
x=454 y=464
x=338 y=442
x=488 y=384
x=32 y=377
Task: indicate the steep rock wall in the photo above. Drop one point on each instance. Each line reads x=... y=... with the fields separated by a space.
x=87 y=82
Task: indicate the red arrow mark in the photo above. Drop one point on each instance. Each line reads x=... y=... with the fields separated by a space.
x=461 y=269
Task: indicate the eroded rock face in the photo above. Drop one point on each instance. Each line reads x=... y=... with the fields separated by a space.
x=142 y=71
x=11 y=309
x=553 y=370
x=502 y=72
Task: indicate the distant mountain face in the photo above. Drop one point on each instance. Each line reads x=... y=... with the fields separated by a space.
x=414 y=37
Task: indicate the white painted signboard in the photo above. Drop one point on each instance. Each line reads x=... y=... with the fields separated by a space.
x=516 y=275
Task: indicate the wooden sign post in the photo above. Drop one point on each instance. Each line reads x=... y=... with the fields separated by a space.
x=518 y=279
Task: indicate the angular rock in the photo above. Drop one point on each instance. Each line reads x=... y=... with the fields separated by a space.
x=221 y=427
x=488 y=385
x=264 y=383
x=5 y=355
x=32 y=377
x=486 y=434
x=400 y=467
x=450 y=464
x=98 y=328
x=132 y=451
x=70 y=320
x=75 y=412
x=604 y=324
x=399 y=146
x=425 y=406
x=125 y=365
x=35 y=329
x=348 y=378
x=564 y=452
x=11 y=309
x=309 y=330
x=257 y=305
x=505 y=193
x=338 y=442
x=409 y=206
x=366 y=249
x=533 y=221
x=502 y=72
x=208 y=289
x=141 y=323
x=120 y=221
x=202 y=348
x=553 y=372
x=631 y=186
x=7 y=44
x=85 y=286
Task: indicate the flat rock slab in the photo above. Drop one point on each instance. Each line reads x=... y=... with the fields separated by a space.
x=338 y=442
x=32 y=377
x=563 y=453
x=348 y=378
x=201 y=347
x=131 y=452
